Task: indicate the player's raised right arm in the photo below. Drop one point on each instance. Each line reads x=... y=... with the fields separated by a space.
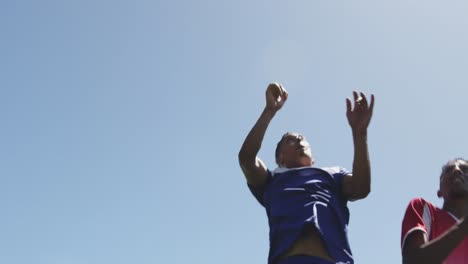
x=253 y=167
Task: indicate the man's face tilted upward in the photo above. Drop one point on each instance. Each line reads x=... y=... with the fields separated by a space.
x=454 y=180
x=294 y=151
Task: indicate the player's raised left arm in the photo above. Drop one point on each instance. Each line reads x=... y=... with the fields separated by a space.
x=358 y=185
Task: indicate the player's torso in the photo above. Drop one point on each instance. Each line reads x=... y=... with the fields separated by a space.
x=297 y=191
x=442 y=221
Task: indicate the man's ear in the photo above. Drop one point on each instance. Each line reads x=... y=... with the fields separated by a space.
x=439 y=194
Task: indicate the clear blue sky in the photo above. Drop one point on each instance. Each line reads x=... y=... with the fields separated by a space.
x=121 y=120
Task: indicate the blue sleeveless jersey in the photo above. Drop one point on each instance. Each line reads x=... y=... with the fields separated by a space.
x=294 y=198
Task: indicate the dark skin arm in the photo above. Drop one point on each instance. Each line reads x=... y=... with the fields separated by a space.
x=252 y=166
x=357 y=186
x=417 y=249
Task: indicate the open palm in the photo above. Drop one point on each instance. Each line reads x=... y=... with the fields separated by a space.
x=360 y=115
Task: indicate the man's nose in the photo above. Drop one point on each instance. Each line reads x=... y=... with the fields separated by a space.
x=457 y=170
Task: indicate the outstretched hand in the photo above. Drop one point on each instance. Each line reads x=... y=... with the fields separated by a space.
x=276 y=96
x=359 y=117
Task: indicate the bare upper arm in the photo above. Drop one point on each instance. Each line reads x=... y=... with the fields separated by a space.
x=411 y=243
x=255 y=171
x=353 y=190
x=347 y=187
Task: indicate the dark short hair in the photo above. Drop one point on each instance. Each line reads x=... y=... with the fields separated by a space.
x=448 y=164
x=278 y=146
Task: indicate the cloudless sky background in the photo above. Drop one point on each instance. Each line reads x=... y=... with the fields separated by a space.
x=121 y=120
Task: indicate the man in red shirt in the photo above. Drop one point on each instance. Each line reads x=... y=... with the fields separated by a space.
x=434 y=235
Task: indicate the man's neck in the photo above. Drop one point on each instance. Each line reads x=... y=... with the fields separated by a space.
x=458 y=207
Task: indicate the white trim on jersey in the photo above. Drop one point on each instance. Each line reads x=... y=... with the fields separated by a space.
x=427 y=220
x=330 y=170
x=411 y=231
x=454 y=217
x=282 y=169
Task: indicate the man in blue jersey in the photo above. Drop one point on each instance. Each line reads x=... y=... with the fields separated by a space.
x=307 y=206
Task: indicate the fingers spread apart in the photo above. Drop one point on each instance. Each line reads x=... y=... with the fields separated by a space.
x=360 y=102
